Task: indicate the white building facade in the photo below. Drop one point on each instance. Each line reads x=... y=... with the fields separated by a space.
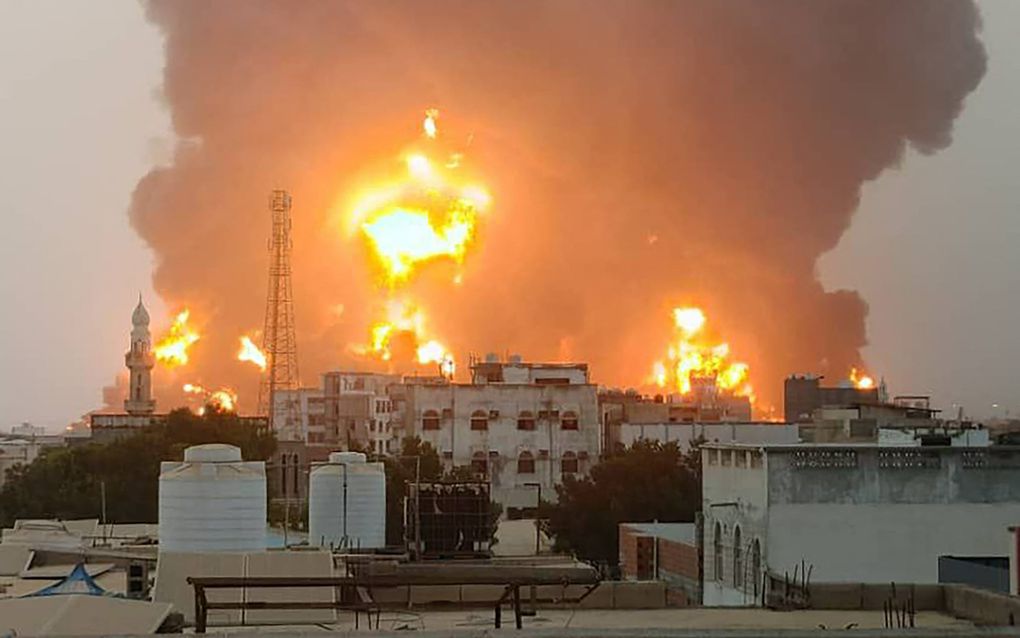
x=523 y=426
x=849 y=513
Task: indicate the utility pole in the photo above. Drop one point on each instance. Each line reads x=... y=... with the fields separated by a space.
x=279 y=342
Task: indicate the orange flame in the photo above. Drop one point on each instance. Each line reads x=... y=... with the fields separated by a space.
x=172 y=349
x=404 y=318
x=427 y=214
x=692 y=357
x=223 y=399
x=860 y=380
x=429 y=125
x=250 y=352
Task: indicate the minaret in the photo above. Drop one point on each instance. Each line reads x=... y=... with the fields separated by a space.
x=139 y=361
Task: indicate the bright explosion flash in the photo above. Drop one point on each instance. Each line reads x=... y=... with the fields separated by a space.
x=251 y=353
x=429 y=213
x=224 y=399
x=693 y=356
x=172 y=349
x=860 y=380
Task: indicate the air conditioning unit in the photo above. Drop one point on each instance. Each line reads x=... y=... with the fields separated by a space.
x=447 y=455
x=543 y=414
x=543 y=454
x=493 y=414
x=493 y=454
x=447 y=413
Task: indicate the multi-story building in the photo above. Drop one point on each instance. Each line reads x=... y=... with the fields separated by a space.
x=524 y=426
x=628 y=416
x=359 y=411
x=310 y=405
x=849 y=513
x=803 y=394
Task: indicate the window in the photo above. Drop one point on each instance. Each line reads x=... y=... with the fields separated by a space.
x=568 y=464
x=525 y=421
x=283 y=474
x=525 y=463
x=727 y=457
x=430 y=420
x=479 y=420
x=569 y=421
x=713 y=457
x=480 y=463
x=738 y=560
x=717 y=551
x=755 y=566
x=741 y=458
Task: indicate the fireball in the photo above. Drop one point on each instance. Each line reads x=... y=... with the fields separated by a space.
x=860 y=380
x=251 y=353
x=172 y=349
x=693 y=356
x=426 y=214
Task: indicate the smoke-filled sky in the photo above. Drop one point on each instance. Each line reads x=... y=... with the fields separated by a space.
x=641 y=157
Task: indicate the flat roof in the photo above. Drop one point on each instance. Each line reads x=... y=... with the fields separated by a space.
x=793 y=447
x=636 y=623
x=678 y=532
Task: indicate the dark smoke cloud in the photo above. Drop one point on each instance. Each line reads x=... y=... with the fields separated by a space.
x=640 y=155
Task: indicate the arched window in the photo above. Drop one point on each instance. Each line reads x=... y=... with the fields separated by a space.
x=430 y=420
x=480 y=463
x=717 y=551
x=568 y=463
x=756 y=566
x=525 y=421
x=569 y=421
x=283 y=473
x=479 y=420
x=738 y=560
x=525 y=463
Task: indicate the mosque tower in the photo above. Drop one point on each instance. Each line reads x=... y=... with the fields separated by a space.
x=139 y=360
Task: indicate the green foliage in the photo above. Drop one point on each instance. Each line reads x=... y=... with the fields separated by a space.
x=65 y=483
x=649 y=481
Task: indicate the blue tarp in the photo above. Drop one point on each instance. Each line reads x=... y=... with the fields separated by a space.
x=77 y=582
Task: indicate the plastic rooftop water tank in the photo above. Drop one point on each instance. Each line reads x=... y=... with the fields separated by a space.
x=347 y=503
x=212 y=501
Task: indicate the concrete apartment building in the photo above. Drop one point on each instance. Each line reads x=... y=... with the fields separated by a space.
x=850 y=513
x=522 y=425
x=358 y=410
x=626 y=416
x=803 y=394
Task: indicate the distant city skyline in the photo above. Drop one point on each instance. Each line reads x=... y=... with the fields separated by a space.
x=931 y=248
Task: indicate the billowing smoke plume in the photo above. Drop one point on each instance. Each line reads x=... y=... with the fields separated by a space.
x=640 y=155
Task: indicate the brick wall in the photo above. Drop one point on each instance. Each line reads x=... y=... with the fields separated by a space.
x=628 y=552
x=677 y=565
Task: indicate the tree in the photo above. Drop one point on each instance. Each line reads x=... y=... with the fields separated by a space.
x=65 y=483
x=650 y=481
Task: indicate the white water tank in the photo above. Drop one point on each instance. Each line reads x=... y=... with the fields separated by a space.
x=212 y=502
x=347 y=503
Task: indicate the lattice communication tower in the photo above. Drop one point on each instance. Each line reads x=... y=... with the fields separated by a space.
x=279 y=342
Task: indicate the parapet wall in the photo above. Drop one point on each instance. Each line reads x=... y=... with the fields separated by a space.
x=980 y=606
